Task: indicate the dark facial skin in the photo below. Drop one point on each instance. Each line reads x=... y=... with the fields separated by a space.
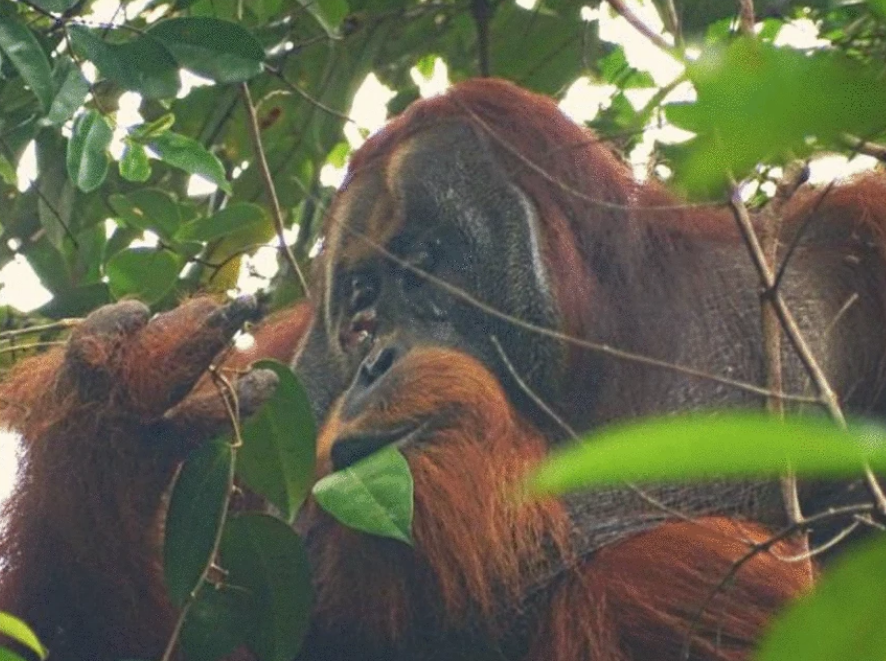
x=441 y=205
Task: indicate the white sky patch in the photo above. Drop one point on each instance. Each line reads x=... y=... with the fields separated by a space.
x=584 y=99
x=332 y=176
x=148 y=240
x=801 y=33
x=824 y=169
x=26 y=169
x=21 y=286
x=200 y=186
x=189 y=80
x=258 y=269
x=639 y=51
x=9 y=449
x=369 y=110
x=437 y=83
x=128 y=116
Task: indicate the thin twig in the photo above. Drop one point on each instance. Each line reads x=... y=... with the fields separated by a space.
x=262 y=162
x=534 y=396
x=672 y=21
x=482 y=13
x=31 y=345
x=61 y=324
x=746 y=17
x=597 y=347
x=865 y=147
x=770 y=218
x=622 y=10
x=789 y=324
x=229 y=396
x=761 y=547
x=573 y=435
x=307 y=97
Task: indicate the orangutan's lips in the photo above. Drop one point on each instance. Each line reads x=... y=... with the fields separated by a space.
x=350 y=449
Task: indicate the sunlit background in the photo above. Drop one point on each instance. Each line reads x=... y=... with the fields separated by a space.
x=20 y=287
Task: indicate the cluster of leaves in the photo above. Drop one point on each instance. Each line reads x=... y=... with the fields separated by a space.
x=261 y=597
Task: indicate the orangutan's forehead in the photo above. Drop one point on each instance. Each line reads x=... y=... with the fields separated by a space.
x=372 y=209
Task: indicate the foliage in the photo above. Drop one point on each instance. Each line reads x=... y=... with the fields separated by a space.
x=101 y=188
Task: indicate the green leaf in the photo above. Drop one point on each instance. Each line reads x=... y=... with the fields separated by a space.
x=219 y=621
x=264 y=556
x=219 y=50
x=16 y=629
x=329 y=13
x=747 y=110
x=374 y=495
x=144 y=273
x=9 y=655
x=55 y=6
x=71 y=88
x=338 y=155
x=134 y=164
x=7 y=171
x=279 y=444
x=841 y=619
x=142 y=65
x=196 y=512
x=879 y=6
x=700 y=447
x=23 y=50
x=189 y=155
x=234 y=218
x=148 y=209
x=87 y=156
x=154 y=128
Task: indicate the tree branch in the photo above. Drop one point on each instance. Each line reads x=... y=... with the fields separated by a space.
x=262 y=162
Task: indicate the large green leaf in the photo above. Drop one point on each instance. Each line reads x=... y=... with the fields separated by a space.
x=134 y=163
x=234 y=218
x=279 y=444
x=71 y=88
x=196 y=510
x=696 y=447
x=329 y=13
x=21 y=47
x=17 y=630
x=748 y=109
x=142 y=65
x=88 y=157
x=189 y=155
x=144 y=273
x=843 y=617
x=219 y=621
x=148 y=209
x=264 y=556
x=374 y=495
x=216 y=49
x=57 y=6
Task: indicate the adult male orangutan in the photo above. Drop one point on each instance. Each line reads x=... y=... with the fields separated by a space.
x=470 y=222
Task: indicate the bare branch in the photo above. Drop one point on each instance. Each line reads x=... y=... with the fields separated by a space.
x=746 y=17
x=865 y=147
x=622 y=10
x=262 y=163
x=789 y=324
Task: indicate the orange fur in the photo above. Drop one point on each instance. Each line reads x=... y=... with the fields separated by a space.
x=658 y=592
x=479 y=542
